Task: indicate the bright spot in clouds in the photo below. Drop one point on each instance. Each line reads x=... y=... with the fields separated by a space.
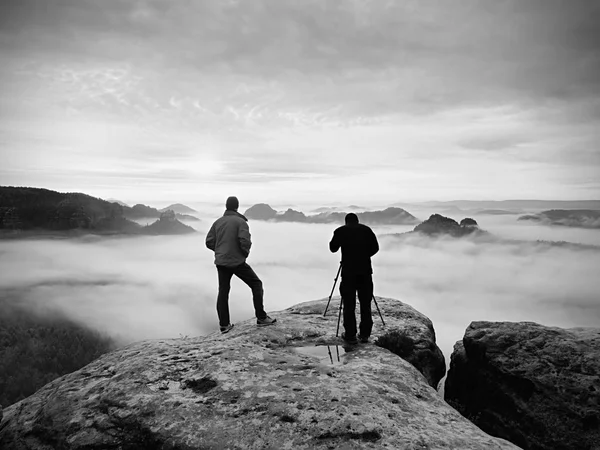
x=207 y=167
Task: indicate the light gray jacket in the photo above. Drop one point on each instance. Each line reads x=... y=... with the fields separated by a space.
x=229 y=238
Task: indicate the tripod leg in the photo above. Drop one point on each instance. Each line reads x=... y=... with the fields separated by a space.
x=337 y=331
x=333 y=288
x=378 y=310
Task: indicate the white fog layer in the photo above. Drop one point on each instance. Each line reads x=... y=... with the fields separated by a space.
x=165 y=287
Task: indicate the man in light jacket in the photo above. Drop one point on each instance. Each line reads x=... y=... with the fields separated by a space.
x=229 y=238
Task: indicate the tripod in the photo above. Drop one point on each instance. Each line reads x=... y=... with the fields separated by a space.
x=337 y=331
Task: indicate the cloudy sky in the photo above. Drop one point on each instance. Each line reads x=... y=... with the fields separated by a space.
x=302 y=100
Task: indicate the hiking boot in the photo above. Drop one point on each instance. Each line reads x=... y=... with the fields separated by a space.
x=363 y=339
x=350 y=339
x=226 y=328
x=266 y=321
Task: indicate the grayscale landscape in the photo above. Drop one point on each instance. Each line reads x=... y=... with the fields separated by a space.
x=165 y=286
x=138 y=138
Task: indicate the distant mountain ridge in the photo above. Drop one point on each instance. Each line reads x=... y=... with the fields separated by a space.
x=439 y=226
x=179 y=208
x=389 y=216
x=140 y=211
x=114 y=200
x=32 y=210
x=577 y=218
x=511 y=204
x=337 y=209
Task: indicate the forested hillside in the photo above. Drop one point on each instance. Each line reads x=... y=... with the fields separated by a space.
x=35 y=350
x=37 y=210
x=28 y=208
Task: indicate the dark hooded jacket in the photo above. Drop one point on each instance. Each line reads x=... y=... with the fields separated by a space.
x=229 y=238
x=358 y=244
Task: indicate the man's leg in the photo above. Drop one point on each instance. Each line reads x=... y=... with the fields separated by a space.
x=348 y=293
x=365 y=295
x=225 y=274
x=245 y=273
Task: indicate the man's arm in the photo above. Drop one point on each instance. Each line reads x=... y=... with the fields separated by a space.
x=244 y=238
x=374 y=244
x=335 y=243
x=211 y=238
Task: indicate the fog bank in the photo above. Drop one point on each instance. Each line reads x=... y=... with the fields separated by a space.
x=165 y=287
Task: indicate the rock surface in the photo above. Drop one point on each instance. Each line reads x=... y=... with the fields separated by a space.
x=287 y=386
x=536 y=386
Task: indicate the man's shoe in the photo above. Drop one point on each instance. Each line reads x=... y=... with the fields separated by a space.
x=266 y=321
x=226 y=329
x=363 y=339
x=349 y=339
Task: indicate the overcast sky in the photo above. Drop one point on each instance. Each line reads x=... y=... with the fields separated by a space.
x=305 y=100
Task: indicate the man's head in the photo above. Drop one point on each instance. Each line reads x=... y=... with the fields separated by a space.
x=351 y=219
x=232 y=203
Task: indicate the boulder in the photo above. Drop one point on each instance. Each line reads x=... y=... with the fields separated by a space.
x=288 y=386
x=536 y=386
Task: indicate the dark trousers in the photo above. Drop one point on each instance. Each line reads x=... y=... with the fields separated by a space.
x=245 y=273
x=350 y=285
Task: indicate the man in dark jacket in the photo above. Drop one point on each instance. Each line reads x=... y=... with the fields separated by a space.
x=358 y=244
x=229 y=238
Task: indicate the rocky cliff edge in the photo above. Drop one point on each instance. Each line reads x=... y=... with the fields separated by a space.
x=292 y=385
x=534 y=385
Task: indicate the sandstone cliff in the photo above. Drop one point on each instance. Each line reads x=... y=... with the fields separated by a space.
x=440 y=225
x=536 y=386
x=292 y=385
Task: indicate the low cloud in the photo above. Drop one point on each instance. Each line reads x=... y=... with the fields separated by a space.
x=165 y=287
x=492 y=143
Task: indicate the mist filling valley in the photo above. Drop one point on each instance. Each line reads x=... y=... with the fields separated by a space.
x=150 y=287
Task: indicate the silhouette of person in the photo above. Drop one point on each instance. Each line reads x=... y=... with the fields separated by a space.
x=358 y=244
x=229 y=238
